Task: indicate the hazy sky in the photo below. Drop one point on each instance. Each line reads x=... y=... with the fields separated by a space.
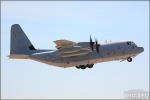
x=45 y=22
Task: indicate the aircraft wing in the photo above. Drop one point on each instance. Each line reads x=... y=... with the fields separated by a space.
x=73 y=51
x=68 y=48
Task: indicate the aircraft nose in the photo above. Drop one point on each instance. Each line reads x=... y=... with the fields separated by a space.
x=141 y=49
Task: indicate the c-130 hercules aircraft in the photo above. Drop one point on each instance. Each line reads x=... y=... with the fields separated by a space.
x=69 y=54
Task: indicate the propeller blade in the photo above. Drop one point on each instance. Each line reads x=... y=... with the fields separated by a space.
x=90 y=39
x=91 y=44
x=97 y=46
x=96 y=42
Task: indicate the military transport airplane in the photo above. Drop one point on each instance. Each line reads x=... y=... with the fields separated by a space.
x=68 y=53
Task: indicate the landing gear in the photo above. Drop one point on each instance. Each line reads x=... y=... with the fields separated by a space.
x=78 y=67
x=129 y=59
x=90 y=66
x=85 y=66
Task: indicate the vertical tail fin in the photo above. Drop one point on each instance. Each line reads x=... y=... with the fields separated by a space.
x=19 y=41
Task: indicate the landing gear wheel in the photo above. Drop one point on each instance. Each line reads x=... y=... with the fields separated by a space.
x=82 y=67
x=90 y=66
x=78 y=67
x=129 y=59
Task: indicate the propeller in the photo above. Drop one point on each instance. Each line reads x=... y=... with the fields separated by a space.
x=97 y=46
x=91 y=44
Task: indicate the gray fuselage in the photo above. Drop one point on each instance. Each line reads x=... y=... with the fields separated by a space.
x=108 y=52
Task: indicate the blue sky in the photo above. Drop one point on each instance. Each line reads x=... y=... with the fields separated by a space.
x=45 y=22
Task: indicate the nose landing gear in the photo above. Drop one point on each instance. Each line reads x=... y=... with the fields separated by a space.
x=129 y=59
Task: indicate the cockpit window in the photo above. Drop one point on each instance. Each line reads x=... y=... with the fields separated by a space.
x=134 y=44
x=128 y=43
x=131 y=44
